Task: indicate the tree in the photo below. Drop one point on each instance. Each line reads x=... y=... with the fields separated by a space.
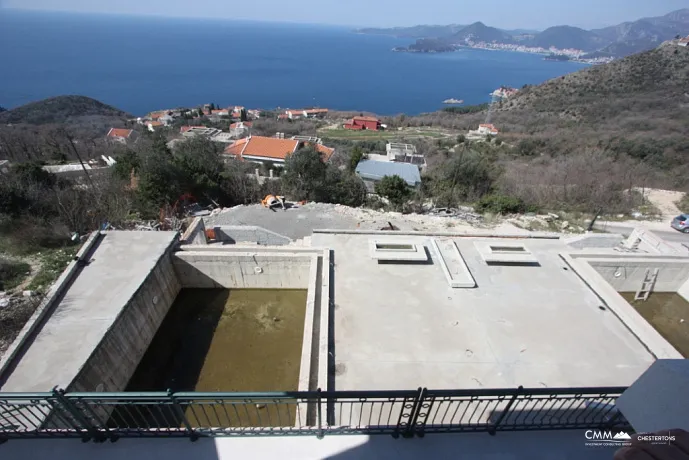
x=212 y=106
x=304 y=175
x=461 y=139
x=395 y=189
x=345 y=188
x=243 y=115
x=127 y=163
x=357 y=156
x=2 y=109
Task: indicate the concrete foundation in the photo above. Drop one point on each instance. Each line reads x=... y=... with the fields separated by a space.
x=249 y=267
x=626 y=274
x=95 y=334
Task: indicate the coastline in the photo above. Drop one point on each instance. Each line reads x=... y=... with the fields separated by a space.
x=467 y=47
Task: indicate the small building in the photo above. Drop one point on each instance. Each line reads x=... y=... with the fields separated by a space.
x=273 y=150
x=400 y=153
x=200 y=131
x=240 y=128
x=361 y=123
x=372 y=172
x=153 y=125
x=225 y=138
x=295 y=114
x=483 y=131
x=683 y=42
x=184 y=129
x=121 y=135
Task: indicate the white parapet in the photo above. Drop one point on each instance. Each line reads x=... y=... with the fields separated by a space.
x=454 y=267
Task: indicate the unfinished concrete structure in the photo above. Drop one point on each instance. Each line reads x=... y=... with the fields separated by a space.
x=385 y=310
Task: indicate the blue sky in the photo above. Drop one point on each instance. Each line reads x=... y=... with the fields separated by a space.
x=537 y=14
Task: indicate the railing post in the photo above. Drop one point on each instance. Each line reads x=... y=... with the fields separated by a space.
x=78 y=416
x=414 y=415
x=492 y=430
x=613 y=420
x=319 y=416
x=193 y=435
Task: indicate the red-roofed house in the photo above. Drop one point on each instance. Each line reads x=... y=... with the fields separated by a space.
x=488 y=129
x=262 y=149
x=303 y=113
x=122 y=135
x=683 y=41
x=482 y=132
x=359 y=123
x=152 y=125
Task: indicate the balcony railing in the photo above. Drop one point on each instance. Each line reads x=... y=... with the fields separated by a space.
x=103 y=416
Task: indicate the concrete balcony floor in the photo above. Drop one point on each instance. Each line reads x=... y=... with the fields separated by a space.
x=543 y=445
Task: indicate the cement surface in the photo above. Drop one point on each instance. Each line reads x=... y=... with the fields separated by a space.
x=119 y=264
x=401 y=326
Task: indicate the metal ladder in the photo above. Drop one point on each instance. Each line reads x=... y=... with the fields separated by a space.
x=647 y=284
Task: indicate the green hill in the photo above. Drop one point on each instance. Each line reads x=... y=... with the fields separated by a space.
x=635 y=106
x=63 y=109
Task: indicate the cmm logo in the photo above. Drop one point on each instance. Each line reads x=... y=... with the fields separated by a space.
x=608 y=436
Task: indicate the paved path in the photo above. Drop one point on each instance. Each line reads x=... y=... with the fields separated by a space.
x=662 y=229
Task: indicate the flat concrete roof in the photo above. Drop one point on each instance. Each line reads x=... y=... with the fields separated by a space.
x=119 y=263
x=401 y=326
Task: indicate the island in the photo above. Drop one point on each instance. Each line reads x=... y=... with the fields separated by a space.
x=427 y=45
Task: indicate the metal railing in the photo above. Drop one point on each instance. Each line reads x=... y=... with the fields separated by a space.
x=103 y=416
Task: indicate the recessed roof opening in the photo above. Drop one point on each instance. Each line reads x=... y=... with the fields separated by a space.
x=507 y=249
x=390 y=251
x=394 y=247
x=505 y=253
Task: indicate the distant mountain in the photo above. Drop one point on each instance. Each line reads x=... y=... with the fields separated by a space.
x=563 y=37
x=61 y=109
x=614 y=41
x=479 y=32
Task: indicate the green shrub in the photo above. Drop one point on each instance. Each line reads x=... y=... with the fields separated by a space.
x=12 y=273
x=500 y=204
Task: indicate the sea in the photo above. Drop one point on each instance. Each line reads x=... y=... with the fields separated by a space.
x=140 y=64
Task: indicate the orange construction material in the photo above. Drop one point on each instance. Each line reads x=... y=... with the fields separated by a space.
x=210 y=233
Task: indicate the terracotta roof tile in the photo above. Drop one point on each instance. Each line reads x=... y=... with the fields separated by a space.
x=119 y=132
x=269 y=147
x=326 y=152
x=365 y=119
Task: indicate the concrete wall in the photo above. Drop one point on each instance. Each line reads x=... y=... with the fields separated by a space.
x=594 y=240
x=630 y=274
x=114 y=361
x=249 y=234
x=196 y=233
x=241 y=270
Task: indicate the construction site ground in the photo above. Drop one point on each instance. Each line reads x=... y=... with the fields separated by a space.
x=300 y=221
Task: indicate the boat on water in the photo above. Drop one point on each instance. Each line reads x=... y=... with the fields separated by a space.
x=453 y=101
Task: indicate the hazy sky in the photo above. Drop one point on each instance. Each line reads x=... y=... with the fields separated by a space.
x=537 y=14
